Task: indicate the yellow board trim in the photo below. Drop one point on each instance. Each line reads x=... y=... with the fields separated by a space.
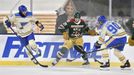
x=61 y=63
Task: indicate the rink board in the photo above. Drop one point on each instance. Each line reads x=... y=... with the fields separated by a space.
x=12 y=53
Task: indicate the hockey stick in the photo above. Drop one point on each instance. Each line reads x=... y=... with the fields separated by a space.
x=97 y=50
x=71 y=60
x=105 y=48
x=98 y=61
x=33 y=57
x=11 y=11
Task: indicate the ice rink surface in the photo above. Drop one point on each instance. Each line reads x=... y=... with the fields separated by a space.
x=37 y=70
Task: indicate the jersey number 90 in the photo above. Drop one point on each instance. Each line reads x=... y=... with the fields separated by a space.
x=113 y=28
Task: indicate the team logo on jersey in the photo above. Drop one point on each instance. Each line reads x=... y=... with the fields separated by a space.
x=77 y=26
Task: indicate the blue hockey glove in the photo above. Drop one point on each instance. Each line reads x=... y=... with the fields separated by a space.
x=97 y=45
x=8 y=23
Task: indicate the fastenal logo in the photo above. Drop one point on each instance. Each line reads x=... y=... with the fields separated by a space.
x=14 y=49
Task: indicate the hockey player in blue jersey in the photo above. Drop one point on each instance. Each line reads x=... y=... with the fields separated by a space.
x=117 y=37
x=22 y=23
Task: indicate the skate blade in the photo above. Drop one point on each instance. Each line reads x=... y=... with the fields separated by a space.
x=127 y=68
x=105 y=69
x=85 y=65
x=53 y=64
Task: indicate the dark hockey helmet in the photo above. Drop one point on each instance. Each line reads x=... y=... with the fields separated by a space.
x=22 y=8
x=77 y=15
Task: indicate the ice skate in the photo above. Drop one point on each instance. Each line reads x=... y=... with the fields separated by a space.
x=126 y=66
x=105 y=66
x=55 y=61
x=86 y=63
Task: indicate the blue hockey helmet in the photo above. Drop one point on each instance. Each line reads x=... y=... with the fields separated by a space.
x=22 y=8
x=102 y=19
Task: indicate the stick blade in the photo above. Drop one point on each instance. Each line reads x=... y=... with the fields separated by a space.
x=69 y=60
x=43 y=65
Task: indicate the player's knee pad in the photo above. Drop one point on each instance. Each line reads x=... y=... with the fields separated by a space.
x=68 y=44
x=118 y=54
x=28 y=47
x=33 y=44
x=105 y=54
x=79 y=49
x=61 y=52
x=28 y=53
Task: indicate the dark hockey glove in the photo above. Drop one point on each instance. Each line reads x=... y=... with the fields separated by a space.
x=97 y=45
x=41 y=27
x=8 y=23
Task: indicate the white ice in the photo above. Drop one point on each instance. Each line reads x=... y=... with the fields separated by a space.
x=37 y=70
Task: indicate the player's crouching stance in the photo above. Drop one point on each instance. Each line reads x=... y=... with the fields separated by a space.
x=72 y=33
x=117 y=39
x=22 y=23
